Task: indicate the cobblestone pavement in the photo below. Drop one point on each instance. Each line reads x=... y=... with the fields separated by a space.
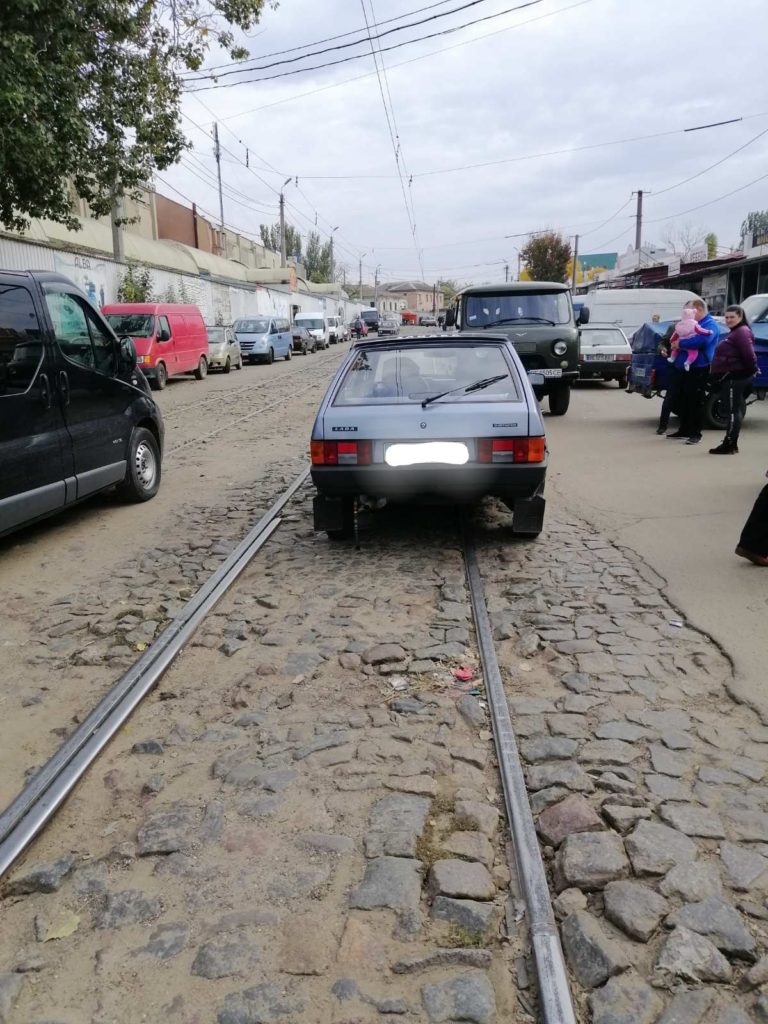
x=647 y=781
x=303 y=824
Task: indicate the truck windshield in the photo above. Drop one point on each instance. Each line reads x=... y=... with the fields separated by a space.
x=132 y=325
x=369 y=314
x=520 y=307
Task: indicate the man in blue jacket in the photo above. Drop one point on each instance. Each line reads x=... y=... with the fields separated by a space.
x=691 y=383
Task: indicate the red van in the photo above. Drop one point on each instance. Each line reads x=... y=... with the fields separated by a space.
x=169 y=338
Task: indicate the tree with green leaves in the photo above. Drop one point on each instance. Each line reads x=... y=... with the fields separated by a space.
x=90 y=95
x=546 y=255
x=136 y=284
x=317 y=259
x=270 y=239
x=755 y=223
x=710 y=241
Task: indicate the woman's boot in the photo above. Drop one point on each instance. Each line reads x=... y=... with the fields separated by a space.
x=725 y=447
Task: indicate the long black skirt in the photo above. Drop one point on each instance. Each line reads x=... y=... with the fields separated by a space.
x=754 y=536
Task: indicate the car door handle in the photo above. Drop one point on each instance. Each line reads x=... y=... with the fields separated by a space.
x=64 y=386
x=45 y=391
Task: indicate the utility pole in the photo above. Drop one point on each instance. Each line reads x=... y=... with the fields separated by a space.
x=575 y=261
x=506 y=273
x=116 y=216
x=360 y=293
x=639 y=223
x=333 y=232
x=519 y=258
x=376 y=287
x=283 y=256
x=434 y=299
x=217 y=154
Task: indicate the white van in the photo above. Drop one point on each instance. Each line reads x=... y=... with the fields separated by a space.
x=632 y=307
x=318 y=326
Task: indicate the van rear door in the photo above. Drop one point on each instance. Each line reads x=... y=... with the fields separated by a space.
x=35 y=448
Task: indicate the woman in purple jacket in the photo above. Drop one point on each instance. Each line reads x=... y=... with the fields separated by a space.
x=733 y=366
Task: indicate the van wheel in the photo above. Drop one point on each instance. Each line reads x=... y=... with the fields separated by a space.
x=202 y=369
x=228 y=365
x=239 y=364
x=142 y=477
x=270 y=357
x=559 y=400
x=158 y=382
x=288 y=354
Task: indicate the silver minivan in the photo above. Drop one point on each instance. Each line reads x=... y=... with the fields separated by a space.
x=318 y=326
x=263 y=339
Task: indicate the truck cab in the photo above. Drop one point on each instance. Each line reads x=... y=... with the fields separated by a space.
x=538 y=319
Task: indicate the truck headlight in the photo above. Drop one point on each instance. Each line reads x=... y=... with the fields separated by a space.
x=560 y=348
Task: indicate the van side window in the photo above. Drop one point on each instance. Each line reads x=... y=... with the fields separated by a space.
x=78 y=333
x=21 y=344
x=163 y=329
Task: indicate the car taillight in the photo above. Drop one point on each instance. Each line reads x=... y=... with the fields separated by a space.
x=341 y=453
x=624 y=358
x=511 y=449
x=652 y=378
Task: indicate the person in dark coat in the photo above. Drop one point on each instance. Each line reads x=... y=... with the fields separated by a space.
x=753 y=543
x=733 y=366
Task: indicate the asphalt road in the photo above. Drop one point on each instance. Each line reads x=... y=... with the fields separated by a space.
x=680 y=509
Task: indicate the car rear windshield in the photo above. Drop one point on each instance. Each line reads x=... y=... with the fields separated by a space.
x=215 y=335
x=518 y=307
x=606 y=336
x=132 y=325
x=406 y=376
x=312 y=325
x=252 y=326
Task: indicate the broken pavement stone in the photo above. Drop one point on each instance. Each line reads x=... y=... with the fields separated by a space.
x=481 y=958
x=392 y=882
x=381 y=653
x=593 y=956
x=227 y=956
x=128 y=907
x=589 y=860
x=258 y=1005
x=693 y=957
x=470 y=846
x=574 y=814
x=166 y=941
x=689 y=1008
x=547 y=748
x=476 y=815
x=466 y=997
x=742 y=867
x=560 y=773
x=626 y=999
x=461 y=879
x=654 y=849
x=40 y=877
x=692 y=820
x=470 y=915
x=634 y=908
x=169 y=831
x=720 y=922
x=692 y=881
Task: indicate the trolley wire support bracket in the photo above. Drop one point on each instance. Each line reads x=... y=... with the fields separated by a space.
x=555 y=1002
x=36 y=804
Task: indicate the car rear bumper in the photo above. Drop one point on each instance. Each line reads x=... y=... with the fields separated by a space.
x=604 y=368
x=452 y=483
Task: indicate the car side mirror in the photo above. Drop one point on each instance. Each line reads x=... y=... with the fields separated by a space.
x=536 y=380
x=128 y=354
x=583 y=317
x=450 y=318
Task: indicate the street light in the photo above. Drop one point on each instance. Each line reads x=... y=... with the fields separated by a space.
x=283 y=258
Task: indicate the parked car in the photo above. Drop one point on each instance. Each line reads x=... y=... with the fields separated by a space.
x=169 y=338
x=76 y=414
x=223 y=349
x=263 y=339
x=427 y=320
x=303 y=342
x=389 y=325
x=430 y=418
x=317 y=325
x=605 y=353
x=371 y=318
x=337 y=330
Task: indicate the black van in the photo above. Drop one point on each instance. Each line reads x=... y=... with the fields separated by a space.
x=76 y=415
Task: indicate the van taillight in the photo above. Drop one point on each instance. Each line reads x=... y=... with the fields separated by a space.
x=511 y=449
x=341 y=453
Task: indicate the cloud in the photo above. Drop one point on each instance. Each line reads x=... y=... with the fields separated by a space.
x=602 y=71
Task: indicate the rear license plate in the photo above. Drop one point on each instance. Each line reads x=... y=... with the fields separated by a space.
x=548 y=373
x=448 y=453
x=598 y=357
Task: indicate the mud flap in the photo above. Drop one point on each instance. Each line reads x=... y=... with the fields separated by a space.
x=528 y=515
x=329 y=513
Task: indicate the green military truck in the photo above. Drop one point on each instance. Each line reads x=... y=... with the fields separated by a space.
x=537 y=317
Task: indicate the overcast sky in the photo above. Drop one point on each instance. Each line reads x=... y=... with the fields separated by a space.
x=556 y=76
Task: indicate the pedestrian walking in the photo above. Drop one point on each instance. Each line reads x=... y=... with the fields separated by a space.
x=734 y=364
x=753 y=543
x=691 y=383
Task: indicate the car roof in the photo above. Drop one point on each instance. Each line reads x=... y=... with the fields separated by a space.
x=515 y=288
x=408 y=340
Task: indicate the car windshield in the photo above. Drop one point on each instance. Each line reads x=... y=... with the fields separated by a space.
x=525 y=307
x=252 y=326
x=408 y=375
x=756 y=308
x=215 y=335
x=132 y=325
x=312 y=325
x=608 y=336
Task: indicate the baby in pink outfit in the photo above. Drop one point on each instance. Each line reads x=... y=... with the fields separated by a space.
x=687 y=328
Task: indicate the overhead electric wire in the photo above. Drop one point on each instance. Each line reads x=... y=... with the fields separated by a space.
x=710 y=202
x=206 y=74
x=608 y=221
x=669 y=188
x=360 y=56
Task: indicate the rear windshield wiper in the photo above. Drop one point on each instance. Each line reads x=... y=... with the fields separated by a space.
x=478 y=385
x=513 y=319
